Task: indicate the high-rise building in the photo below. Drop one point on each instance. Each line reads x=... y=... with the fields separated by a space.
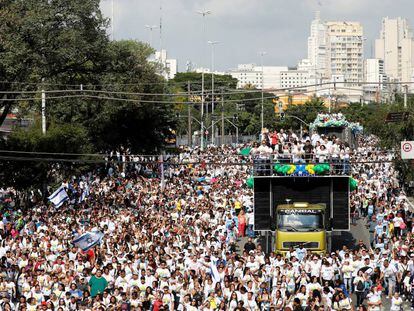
x=315 y=63
x=344 y=46
x=396 y=47
x=317 y=45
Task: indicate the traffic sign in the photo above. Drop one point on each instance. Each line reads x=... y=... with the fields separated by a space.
x=407 y=150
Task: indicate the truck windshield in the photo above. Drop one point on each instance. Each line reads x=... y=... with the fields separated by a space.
x=299 y=220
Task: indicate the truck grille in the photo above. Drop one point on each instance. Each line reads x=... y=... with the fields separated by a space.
x=314 y=245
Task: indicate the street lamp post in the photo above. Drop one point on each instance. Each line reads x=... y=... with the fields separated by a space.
x=262 y=111
x=203 y=14
x=212 y=43
x=151 y=28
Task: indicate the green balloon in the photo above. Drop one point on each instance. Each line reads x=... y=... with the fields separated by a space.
x=285 y=169
x=353 y=184
x=277 y=167
x=250 y=182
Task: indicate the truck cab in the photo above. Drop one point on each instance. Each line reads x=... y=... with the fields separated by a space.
x=302 y=224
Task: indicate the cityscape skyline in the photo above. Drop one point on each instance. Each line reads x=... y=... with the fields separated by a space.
x=237 y=29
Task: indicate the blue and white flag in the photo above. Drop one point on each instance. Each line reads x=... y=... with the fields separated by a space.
x=88 y=240
x=214 y=272
x=59 y=196
x=85 y=194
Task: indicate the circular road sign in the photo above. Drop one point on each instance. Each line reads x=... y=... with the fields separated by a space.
x=407 y=147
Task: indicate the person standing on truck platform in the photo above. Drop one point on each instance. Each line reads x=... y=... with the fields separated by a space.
x=308 y=149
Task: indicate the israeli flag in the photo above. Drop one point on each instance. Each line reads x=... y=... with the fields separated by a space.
x=88 y=240
x=214 y=272
x=85 y=194
x=59 y=196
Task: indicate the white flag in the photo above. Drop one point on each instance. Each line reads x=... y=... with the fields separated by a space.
x=59 y=196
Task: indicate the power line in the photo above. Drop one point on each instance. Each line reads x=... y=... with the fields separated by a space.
x=127 y=99
x=185 y=94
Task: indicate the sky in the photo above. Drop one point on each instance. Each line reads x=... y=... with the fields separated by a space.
x=244 y=28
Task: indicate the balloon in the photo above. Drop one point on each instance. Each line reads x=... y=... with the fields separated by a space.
x=250 y=182
x=277 y=168
x=353 y=184
x=285 y=168
x=321 y=168
x=310 y=169
x=291 y=169
x=301 y=170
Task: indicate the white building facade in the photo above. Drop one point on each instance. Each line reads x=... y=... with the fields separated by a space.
x=294 y=78
x=375 y=73
x=345 y=51
x=396 y=47
x=267 y=77
x=168 y=65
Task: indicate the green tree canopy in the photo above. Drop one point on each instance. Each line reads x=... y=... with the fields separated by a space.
x=26 y=170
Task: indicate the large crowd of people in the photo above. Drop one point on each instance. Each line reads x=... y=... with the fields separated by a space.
x=175 y=243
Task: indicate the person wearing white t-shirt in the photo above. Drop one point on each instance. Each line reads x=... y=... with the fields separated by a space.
x=327 y=273
x=346 y=271
x=389 y=272
x=314 y=267
x=396 y=303
x=374 y=300
x=398 y=221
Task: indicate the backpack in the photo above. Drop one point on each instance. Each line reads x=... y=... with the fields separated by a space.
x=360 y=286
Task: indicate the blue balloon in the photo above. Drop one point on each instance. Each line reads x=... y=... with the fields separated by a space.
x=301 y=170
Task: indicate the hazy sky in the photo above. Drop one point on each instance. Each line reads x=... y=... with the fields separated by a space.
x=244 y=27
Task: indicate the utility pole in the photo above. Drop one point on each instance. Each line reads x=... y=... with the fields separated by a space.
x=189 y=135
x=336 y=96
x=262 y=109
x=203 y=14
x=405 y=96
x=162 y=172
x=43 y=112
x=212 y=43
x=222 y=117
x=151 y=28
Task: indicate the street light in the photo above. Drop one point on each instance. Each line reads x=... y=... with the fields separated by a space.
x=151 y=28
x=203 y=14
x=212 y=43
x=262 y=111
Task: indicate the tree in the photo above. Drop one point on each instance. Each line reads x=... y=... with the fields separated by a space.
x=307 y=112
x=140 y=126
x=32 y=171
x=63 y=44
x=48 y=42
x=244 y=103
